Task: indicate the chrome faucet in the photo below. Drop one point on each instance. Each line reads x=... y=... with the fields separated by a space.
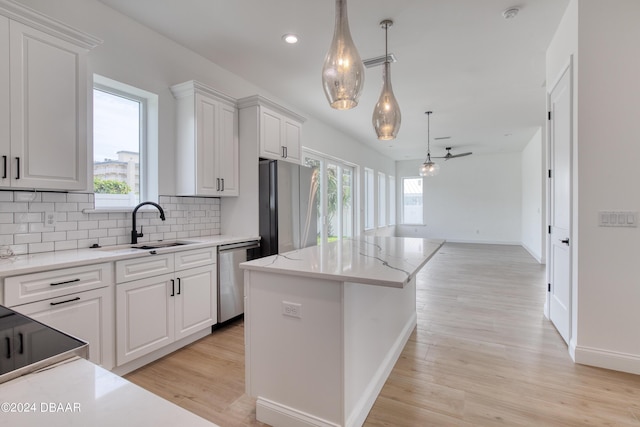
x=134 y=231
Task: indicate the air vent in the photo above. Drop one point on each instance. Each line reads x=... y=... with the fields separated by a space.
x=378 y=60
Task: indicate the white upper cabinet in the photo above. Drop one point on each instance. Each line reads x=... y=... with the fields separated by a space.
x=278 y=130
x=207 y=147
x=43 y=66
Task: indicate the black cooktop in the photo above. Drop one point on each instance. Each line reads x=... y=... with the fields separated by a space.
x=27 y=345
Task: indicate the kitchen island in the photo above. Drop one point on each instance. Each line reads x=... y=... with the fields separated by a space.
x=325 y=325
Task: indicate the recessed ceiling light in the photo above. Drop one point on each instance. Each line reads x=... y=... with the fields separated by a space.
x=290 y=38
x=510 y=13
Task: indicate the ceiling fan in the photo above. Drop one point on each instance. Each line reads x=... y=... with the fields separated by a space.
x=452 y=156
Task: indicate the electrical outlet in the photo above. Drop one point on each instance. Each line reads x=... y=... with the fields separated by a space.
x=49 y=219
x=292 y=309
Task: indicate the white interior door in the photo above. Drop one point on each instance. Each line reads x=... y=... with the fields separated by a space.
x=559 y=265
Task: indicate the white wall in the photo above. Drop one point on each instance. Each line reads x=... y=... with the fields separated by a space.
x=601 y=36
x=533 y=212
x=136 y=55
x=473 y=199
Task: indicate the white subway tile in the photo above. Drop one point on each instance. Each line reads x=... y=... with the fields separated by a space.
x=118 y=215
x=27 y=238
x=66 y=226
x=126 y=223
x=14 y=207
x=6 y=218
x=6 y=239
x=107 y=241
x=124 y=240
x=182 y=235
x=41 y=247
x=27 y=196
x=66 y=245
x=170 y=236
x=99 y=216
x=155 y=236
x=19 y=249
x=78 y=197
x=53 y=237
x=41 y=207
x=13 y=228
x=77 y=216
x=65 y=207
x=77 y=235
x=54 y=197
x=6 y=196
x=86 y=243
x=119 y=232
x=112 y=223
x=87 y=225
x=83 y=206
x=39 y=227
x=99 y=232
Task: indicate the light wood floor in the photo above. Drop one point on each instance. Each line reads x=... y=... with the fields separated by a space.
x=482 y=354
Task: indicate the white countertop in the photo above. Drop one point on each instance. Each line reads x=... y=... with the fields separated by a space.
x=32 y=263
x=384 y=261
x=79 y=393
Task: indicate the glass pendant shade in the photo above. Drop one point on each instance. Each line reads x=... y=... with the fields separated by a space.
x=386 y=115
x=429 y=168
x=343 y=70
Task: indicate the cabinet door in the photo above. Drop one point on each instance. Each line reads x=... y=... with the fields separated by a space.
x=5 y=141
x=227 y=156
x=48 y=111
x=196 y=306
x=292 y=141
x=207 y=179
x=85 y=315
x=144 y=316
x=270 y=134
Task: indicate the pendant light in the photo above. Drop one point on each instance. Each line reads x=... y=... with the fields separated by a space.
x=386 y=114
x=343 y=70
x=429 y=168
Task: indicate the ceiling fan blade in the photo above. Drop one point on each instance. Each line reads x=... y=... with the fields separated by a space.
x=460 y=155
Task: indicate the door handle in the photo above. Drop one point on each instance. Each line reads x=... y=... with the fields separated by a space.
x=565 y=241
x=17 y=167
x=222 y=179
x=179 y=284
x=173 y=288
x=4 y=167
x=217 y=184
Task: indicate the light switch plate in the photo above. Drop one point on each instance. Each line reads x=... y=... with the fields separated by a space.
x=617 y=219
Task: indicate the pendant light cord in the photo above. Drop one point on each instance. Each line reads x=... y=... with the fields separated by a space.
x=428 y=113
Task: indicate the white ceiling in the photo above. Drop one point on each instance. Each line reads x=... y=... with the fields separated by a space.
x=481 y=75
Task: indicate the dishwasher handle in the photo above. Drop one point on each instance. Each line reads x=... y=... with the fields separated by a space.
x=240 y=245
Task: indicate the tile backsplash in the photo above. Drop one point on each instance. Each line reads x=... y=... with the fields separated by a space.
x=32 y=222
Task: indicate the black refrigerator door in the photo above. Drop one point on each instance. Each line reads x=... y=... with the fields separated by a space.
x=268 y=226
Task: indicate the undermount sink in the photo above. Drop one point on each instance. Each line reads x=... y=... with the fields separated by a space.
x=147 y=246
x=159 y=245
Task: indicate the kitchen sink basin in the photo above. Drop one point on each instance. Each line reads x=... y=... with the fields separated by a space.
x=159 y=245
x=147 y=246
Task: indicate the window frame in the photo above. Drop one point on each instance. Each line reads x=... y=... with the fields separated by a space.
x=382 y=200
x=403 y=222
x=369 y=199
x=148 y=138
x=392 y=200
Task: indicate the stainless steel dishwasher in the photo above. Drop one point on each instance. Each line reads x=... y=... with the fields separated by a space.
x=231 y=278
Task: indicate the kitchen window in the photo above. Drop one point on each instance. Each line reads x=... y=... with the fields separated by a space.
x=412 y=201
x=122 y=172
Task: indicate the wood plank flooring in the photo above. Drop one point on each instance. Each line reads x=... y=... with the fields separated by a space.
x=482 y=354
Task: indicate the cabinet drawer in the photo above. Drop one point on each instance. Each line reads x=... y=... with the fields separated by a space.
x=195 y=258
x=50 y=284
x=140 y=268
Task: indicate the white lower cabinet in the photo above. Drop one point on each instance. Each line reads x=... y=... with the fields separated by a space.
x=156 y=311
x=84 y=315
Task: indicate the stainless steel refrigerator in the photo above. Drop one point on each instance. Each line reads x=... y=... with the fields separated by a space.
x=288 y=206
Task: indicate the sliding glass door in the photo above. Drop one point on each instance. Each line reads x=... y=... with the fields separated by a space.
x=336 y=197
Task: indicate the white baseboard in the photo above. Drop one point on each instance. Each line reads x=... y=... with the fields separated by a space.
x=616 y=361
x=371 y=392
x=484 y=242
x=275 y=414
x=535 y=256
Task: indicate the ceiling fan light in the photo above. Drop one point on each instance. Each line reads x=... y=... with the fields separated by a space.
x=343 y=70
x=429 y=168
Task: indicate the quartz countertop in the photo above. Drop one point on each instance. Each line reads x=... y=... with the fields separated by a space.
x=33 y=263
x=383 y=261
x=78 y=393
